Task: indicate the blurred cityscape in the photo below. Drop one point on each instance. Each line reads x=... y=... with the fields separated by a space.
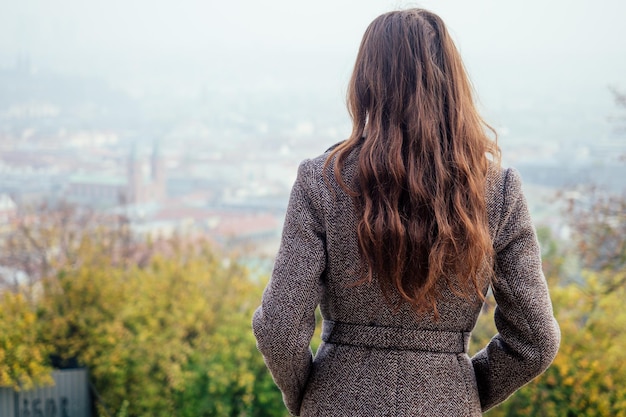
x=220 y=161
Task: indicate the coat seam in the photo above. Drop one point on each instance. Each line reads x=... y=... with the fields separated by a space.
x=467 y=390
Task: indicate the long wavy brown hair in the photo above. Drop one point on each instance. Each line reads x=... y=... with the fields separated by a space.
x=422 y=162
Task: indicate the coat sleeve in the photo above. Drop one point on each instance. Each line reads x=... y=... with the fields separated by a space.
x=528 y=334
x=284 y=323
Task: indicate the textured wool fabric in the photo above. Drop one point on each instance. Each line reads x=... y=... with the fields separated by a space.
x=375 y=361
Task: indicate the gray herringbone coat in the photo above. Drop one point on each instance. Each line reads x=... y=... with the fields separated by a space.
x=374 y=362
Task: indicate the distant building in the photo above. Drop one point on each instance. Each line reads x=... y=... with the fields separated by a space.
x=225 y=228
x=140 y=186
x=144 y=188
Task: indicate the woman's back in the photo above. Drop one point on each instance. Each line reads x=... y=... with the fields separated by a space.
x=397 y=233
x=345 y=298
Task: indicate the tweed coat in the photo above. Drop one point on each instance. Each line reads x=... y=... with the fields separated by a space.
x=375 y=361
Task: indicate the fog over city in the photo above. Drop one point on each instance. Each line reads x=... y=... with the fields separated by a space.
x=195 y=114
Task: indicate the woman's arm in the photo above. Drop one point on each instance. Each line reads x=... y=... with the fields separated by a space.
x=284 y=323
x=529 y=336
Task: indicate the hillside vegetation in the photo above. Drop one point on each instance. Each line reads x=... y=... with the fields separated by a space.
x=163 y=325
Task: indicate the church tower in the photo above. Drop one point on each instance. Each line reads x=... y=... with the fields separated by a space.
x=135 y=178
x=143 y=188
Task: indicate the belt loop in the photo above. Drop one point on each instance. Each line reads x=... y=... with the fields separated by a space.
x=466 y=341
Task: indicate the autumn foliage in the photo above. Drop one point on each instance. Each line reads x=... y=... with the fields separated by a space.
x=163 y=325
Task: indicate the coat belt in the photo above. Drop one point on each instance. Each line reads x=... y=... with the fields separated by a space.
x=396 y=338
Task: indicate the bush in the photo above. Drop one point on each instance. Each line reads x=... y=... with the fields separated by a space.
x=163 y=326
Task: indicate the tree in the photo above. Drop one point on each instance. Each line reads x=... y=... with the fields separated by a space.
x=163 y=326
x=22 y=353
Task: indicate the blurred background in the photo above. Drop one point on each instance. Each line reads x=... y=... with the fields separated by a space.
x=197 y=112
x=189 y=118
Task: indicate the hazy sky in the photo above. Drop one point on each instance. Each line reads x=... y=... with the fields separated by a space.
x=510 y=43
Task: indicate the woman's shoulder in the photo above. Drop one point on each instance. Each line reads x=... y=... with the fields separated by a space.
x=502 y=181
x=319 y=164
x=503 y=193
